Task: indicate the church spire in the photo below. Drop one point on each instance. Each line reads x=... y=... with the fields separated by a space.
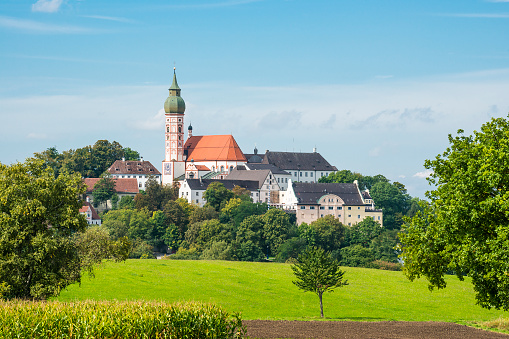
x=175 y=85
x=174 y=103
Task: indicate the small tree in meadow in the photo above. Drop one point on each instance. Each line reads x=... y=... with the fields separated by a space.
x=318 y=272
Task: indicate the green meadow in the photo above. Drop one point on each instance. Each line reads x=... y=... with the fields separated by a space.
x=265 y=291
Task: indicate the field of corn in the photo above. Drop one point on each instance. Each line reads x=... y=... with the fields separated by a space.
x=111 y=319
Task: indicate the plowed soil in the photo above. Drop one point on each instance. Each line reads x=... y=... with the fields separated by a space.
x=371 y=330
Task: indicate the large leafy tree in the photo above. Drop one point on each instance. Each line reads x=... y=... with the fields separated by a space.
x=393 y=200
x=38 y=215
x=275 y=229
x=90 y=161
x=104 y=189
x=465 y=228
x=317 y=272
x=327 y=232
x=217 y=195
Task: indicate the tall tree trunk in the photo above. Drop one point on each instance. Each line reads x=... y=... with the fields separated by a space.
x=321 y=304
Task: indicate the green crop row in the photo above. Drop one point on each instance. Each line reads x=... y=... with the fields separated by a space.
x=113 y=319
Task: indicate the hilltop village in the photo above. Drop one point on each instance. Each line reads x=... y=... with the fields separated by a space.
x=285 y=180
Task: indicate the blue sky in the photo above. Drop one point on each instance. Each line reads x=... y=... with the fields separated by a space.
x=376 y=86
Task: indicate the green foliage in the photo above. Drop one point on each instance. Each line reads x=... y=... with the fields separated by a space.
x=38 y=214
x=317 y=272
x=275 y=228
x=465 y=228
x=155 y=196
x=106 y=319
x=348 y=177
x=104 y=189
x=203 y=213
x=203 y=234
x=357 y=256
x=185 y=254
x=90 y=161
x=291 y=248
x=242 y=193
x=384 y=246
x=94 y=245
x=172 y=237
x=130 y=154
x=326 y=233
x=364 y=232
x=393 y=200
x=249 y=240
x=126 y=202
x=217 y=195
x=218 y=250
x=141 y=250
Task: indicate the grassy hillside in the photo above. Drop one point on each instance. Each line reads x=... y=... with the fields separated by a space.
x=265 y=291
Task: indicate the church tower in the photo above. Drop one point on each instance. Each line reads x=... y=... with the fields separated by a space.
x=174 y=108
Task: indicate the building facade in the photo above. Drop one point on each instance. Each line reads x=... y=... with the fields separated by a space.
x=312 y=201
x=140 y=170
x=192 y=189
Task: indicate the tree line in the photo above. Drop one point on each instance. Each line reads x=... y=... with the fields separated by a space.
x=231 y=227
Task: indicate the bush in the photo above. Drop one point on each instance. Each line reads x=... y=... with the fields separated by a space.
x=387 y=265
x=141 y=250
x=291 y=248
x=185 y=254
x=104 y=319
x=357 y=256
x=219 y=250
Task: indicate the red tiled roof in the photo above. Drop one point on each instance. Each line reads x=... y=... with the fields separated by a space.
x=133 y=167
x=128 y=185
x=213 y=148
x=88 y=206
x=202 y=168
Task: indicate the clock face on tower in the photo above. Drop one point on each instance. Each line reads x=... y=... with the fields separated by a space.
x=167 y=168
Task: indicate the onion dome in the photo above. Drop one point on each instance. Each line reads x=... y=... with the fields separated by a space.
x=174 y=103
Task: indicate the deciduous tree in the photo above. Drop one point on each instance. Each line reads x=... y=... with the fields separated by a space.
x=317 y=272
x=217 y=195
x=38 y=214
x=465 y=228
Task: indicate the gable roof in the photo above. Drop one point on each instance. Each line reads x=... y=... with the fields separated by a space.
x=213 y=148
x=133 y=167
x=127 y=185
x=258 y=176
x=298 y=161
x=88 y=207
x=197 y=184
x=310 y=193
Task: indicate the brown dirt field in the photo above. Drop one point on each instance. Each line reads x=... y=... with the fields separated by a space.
x=371 y=330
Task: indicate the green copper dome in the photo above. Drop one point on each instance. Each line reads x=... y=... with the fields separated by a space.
x=174 y=103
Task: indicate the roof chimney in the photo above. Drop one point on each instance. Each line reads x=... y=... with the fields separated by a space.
x=123 y=159
x=314 y=149
x=141 y=159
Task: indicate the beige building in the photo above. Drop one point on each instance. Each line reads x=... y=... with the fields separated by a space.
x=346 y=202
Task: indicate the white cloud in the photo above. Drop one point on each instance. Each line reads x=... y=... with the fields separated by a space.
x=39 y=27
x=47 y=6
x=424 y=174
x=153 y=123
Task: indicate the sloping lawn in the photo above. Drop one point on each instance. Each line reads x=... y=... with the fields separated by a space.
x=265 y=291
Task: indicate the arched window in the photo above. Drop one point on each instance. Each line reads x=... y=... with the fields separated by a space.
x=167 y=129
x=180 y=129
x=222 y=168
x=213 y=168
x=231 y=168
